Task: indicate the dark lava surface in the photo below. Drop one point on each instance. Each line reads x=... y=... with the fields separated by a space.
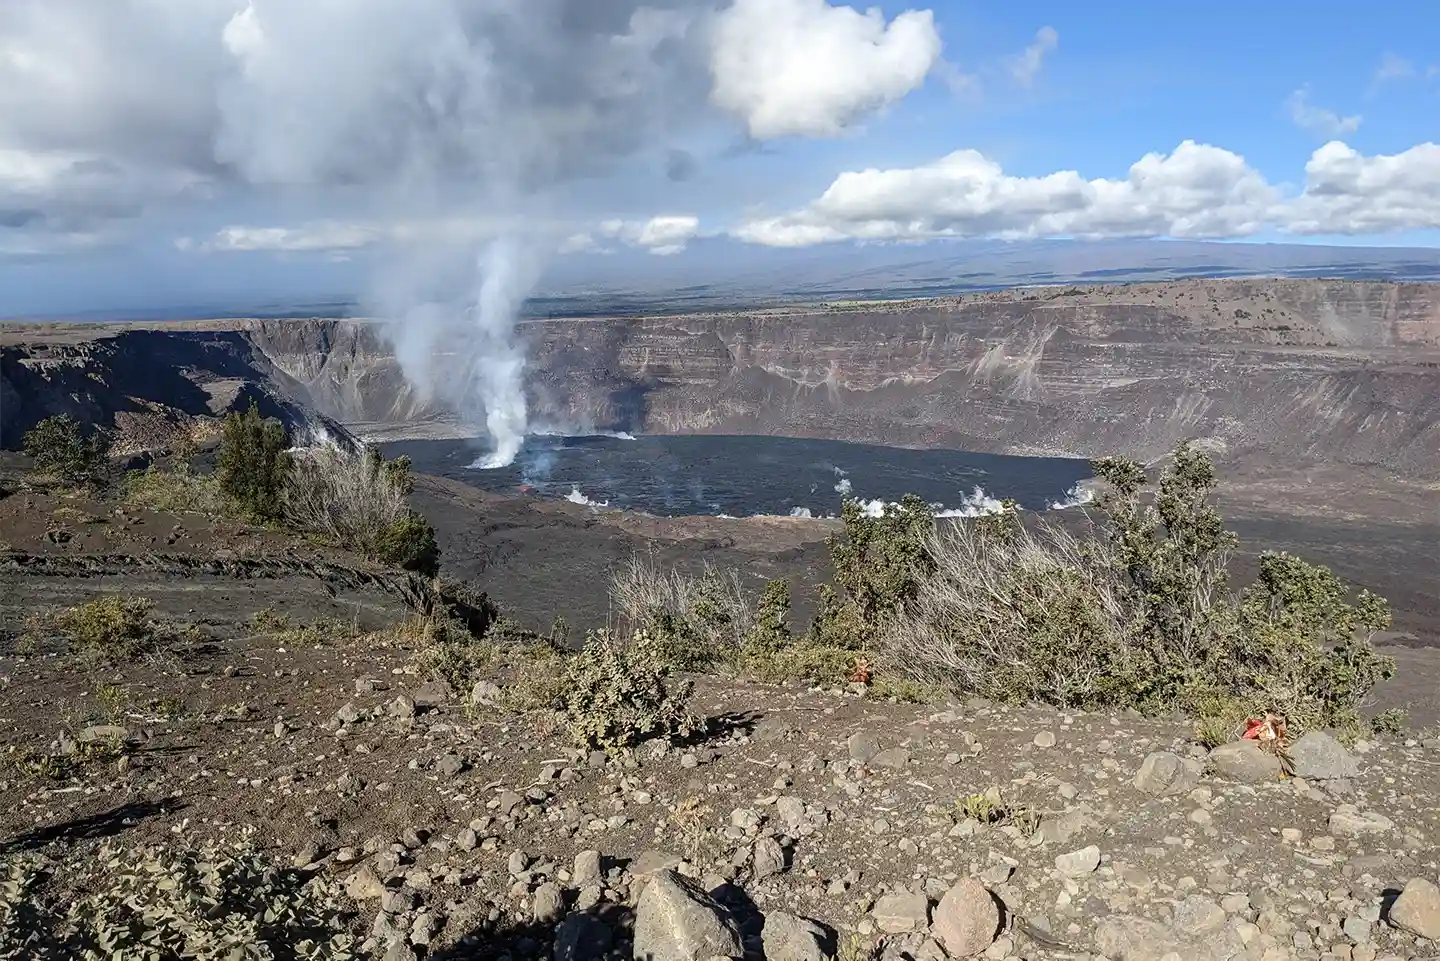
x=740 y=476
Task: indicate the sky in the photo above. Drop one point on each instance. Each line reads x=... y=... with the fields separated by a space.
x=157 y=152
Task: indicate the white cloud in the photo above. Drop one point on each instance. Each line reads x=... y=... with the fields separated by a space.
x=1326 y=123
x=1025 y=67
x=1393 y=67
x=1348 y=193
x=1196 y=191
x=806 y=68
x=662 y=235
x=306 y=238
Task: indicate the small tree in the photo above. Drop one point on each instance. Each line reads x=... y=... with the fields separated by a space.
x=59 y=447
x=880 y=561
x=253 y=464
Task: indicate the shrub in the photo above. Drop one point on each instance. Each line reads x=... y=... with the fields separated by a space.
x=696 y=623
x=1137 y=614
x=615 y=696
x=358 y=501
x=178 y=491
x=409 y=543
x=254 y=463
x=112 y=628
x=220 y=901
x=1307 y=652
x=1033 y=615
x=60 y=448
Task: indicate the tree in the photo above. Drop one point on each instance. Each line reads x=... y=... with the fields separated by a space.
x=254 y=464
x=59 y=447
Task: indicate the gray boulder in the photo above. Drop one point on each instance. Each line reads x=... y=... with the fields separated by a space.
x=790 y=938
x=1246 y=762
x=677 y=921
x=1163 y=773
x=1319 y=757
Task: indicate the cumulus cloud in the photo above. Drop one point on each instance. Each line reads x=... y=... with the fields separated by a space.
x=1026 y=66
x=1326 y=123
x=806 y=68
x=662 y=235
x=1197 y=191
x=1348 y=193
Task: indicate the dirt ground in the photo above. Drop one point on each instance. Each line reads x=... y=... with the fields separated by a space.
x=455 y=825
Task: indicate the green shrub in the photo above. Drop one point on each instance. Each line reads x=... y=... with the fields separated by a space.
x=60 y=448
x=111 y=628
x=614 y=696
x=879 y=563
x=1137 y=614
x=1307 y=651
x=409 y=543
x=254 y=463
x=178 y=491
x=220 y=901
x=696 y=622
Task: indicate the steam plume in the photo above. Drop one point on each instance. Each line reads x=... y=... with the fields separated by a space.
x=501 y=104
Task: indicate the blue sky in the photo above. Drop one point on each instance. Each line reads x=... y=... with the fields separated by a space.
x=184 y=151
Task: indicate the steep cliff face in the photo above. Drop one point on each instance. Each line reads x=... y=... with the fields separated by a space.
x=1322 y=371
x=1346 y=373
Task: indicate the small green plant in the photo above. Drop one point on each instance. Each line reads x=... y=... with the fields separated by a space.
x=409 y=543
x=615 y=696
x=60 y=448
x=112 y=628
x=267 y=620
x=985 y=808
x=114 y=700
x=177 y=491
x=218 y=901
x=1391 y=722
x=254 y=463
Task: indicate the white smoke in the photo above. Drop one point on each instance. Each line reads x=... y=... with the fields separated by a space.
x=976 y=504
x=576 y=497
x=1077 y=496
x=470 y=135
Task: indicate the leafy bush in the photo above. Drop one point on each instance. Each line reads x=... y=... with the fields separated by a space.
x=357 y=500
x=1137 y=614
x=409 y=543
x=220 y=901
x=696 y=622
x=615 y=696
x=1308 y=653
x=112 y=628
x=60 y=448
x=254 y=463
x=178 y=491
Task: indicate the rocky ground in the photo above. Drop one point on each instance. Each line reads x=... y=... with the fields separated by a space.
x=797 y=823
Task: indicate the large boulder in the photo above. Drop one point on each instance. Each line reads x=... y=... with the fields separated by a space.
x=1246 y=762
x=677 y=921
x=967 y=919
x=1163 y=773
x=1417 y=909
x=1317 y=756
x=790 y=938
